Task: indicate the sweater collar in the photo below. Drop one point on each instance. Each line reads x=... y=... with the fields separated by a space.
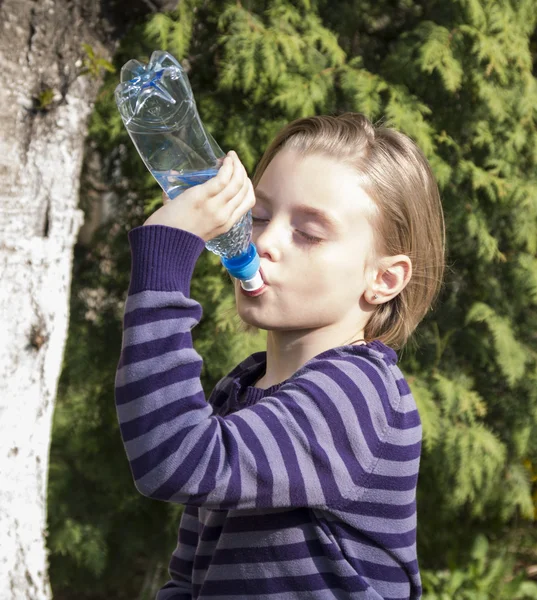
x=250 y=370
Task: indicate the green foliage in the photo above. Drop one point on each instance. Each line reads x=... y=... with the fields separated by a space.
x=457 y=76
x=486 y=577
x=511 y=356
x=44 y=99
x=94 y=64
x=172 y=32
x=83 y=543
x=438 y=54
x=283 y=55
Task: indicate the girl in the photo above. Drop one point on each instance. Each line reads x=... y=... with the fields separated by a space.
x=299 y=473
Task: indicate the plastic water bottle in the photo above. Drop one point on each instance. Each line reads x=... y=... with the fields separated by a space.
x=158 y=109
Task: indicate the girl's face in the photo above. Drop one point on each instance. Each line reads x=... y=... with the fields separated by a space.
x=315 y=266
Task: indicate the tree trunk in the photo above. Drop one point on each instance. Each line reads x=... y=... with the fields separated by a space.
x=44 y=107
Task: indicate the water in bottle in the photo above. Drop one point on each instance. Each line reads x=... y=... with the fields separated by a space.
x=174 y=182
x=158 y=109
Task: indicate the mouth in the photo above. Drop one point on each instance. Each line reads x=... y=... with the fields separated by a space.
x=259 y=291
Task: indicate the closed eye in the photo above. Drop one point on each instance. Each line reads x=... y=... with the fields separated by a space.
x=310 y=238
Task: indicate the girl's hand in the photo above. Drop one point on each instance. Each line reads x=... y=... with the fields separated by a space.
x=211 y=208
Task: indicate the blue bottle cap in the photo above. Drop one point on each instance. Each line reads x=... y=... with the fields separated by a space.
x=245 y=265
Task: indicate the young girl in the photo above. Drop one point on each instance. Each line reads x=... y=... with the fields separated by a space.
x=299 y=473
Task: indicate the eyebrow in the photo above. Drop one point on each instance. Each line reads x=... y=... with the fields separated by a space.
x=310 y=211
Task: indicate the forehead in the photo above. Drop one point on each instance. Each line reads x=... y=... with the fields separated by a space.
x=317 y=182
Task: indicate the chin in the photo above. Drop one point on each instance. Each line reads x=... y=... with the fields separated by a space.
x=252 y=318
x=250 y=321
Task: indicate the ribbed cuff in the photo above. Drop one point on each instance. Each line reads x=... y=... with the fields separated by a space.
x=163 y=258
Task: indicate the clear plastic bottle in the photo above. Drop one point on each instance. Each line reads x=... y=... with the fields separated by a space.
x=158 y=109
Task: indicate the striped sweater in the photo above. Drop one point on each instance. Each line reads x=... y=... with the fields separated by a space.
x=304 y=490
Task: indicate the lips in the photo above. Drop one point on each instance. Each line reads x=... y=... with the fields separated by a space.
x=260 y=290
x=257 y=292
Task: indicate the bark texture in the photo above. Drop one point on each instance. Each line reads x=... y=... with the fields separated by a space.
x=45 y=104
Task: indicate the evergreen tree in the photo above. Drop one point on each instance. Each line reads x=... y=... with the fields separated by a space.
x=458 y=77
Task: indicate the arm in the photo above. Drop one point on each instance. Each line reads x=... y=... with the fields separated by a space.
x=181 y=563
x=314 y=442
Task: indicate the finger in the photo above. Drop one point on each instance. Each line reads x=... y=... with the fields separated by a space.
x=238 y=179
x=234 y=186
x=165 y=198
x=225 y=212
x=246 y=203
x=236 y=201
x=217 y=183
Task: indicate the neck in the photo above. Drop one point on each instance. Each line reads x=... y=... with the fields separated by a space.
x=287 y=351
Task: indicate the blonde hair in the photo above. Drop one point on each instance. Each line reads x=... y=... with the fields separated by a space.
x=396 y=175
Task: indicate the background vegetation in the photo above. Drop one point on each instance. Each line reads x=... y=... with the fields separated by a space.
x=458 y=76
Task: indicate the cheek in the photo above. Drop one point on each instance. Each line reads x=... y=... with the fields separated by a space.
x=326 y=267
x=340 y=276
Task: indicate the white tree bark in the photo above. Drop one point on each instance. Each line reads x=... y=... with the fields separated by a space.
x=41 y=153
x=40 y=160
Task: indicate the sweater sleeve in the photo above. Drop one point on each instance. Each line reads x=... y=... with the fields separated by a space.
x=314 y=442
x=180 y=585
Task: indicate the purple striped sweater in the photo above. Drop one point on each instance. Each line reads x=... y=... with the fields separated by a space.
x=304 y=490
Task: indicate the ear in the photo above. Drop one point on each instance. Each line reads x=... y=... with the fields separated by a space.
x=392 y=275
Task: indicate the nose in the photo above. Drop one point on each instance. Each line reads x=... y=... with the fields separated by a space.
x=268 y=240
